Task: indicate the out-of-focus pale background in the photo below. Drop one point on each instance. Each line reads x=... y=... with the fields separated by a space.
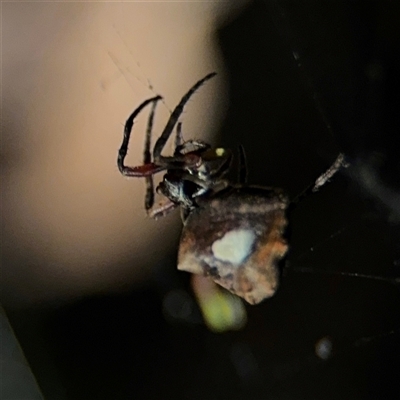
x=89 y=283
x=71 y=75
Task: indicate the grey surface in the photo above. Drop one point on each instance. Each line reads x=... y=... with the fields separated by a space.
x=16 y=379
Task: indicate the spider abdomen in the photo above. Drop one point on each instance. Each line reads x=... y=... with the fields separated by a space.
x=236 y=238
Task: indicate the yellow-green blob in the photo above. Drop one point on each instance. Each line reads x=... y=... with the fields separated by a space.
x=220 y=151
x=222 y=311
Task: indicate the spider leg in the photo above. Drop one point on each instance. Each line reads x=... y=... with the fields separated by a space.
x=322 y=179
x=339 y=163
x=242 y=166
x=173 y=119
x=205 y=186
x=179 y=136
x=135 y=171
x=161 y=209
x=149 y=198
x=190 y=146
x=181 y=145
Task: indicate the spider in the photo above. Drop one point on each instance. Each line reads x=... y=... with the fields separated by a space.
x=233 y=232
x=194 y=170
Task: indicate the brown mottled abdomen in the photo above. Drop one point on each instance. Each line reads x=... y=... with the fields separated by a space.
x=236 y=238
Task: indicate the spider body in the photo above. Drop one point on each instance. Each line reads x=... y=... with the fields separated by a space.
x=184 y=186
x=233 y=232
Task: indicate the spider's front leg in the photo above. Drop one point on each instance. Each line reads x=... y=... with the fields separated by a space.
x=149 y=198
x=143 y=170
x=176 y=161
x=179 y=136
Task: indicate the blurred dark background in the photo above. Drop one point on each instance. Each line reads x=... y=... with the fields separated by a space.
x=307 y=80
